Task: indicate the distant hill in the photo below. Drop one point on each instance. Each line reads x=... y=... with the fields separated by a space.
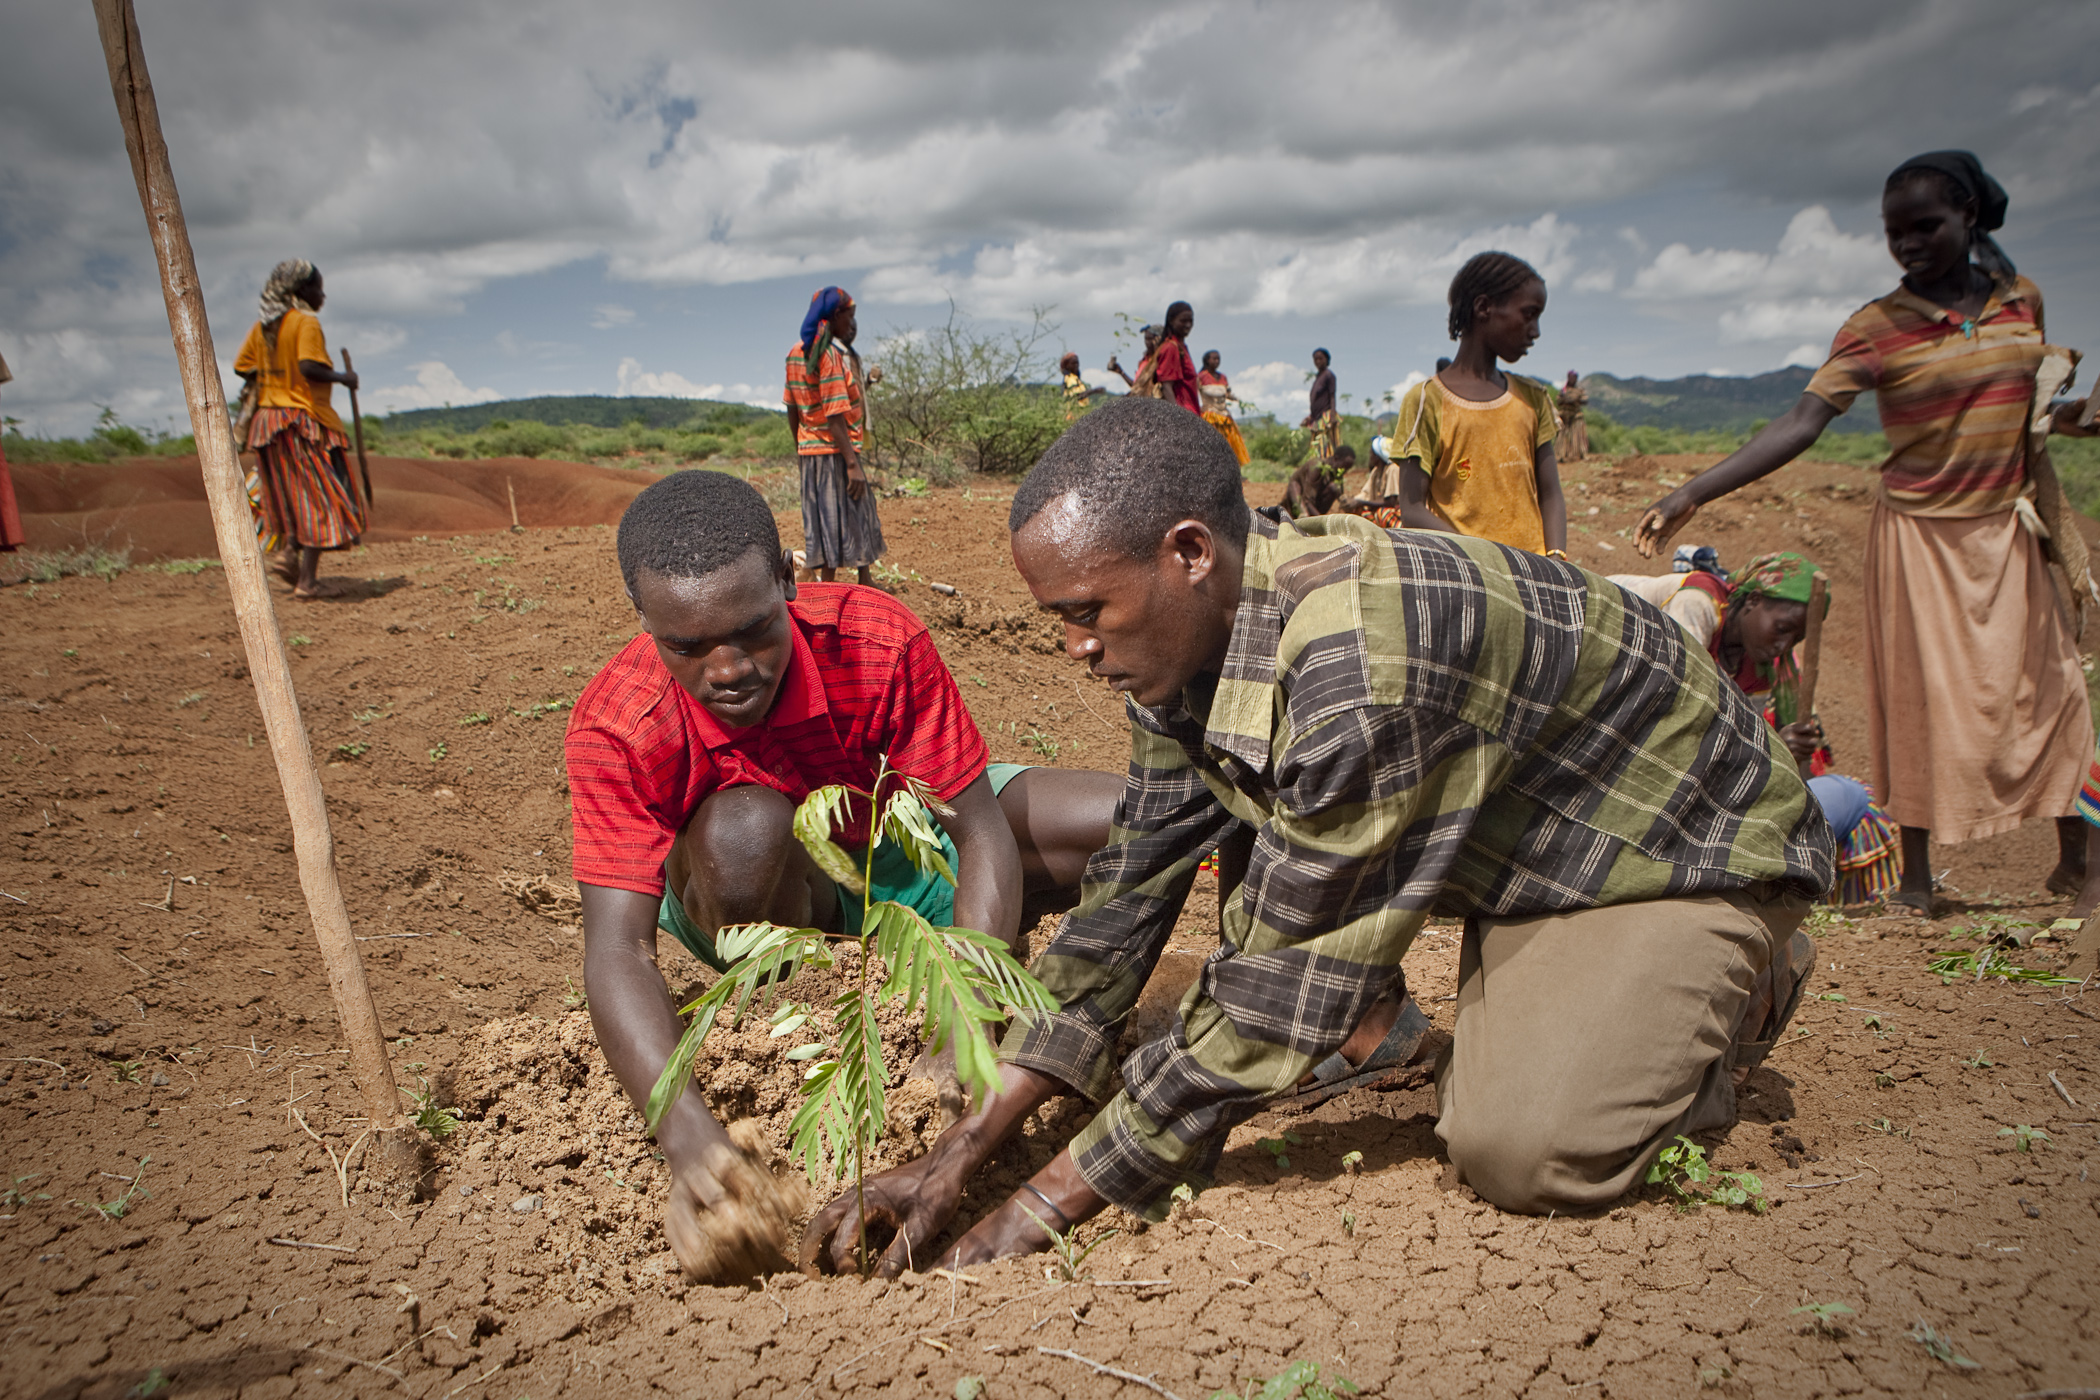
x=589 y=410
x=1708 y=402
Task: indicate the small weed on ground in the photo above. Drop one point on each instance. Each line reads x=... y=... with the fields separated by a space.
x=1823 y=1317
x=1301 y=1380
x=1280 y=1148
x=353 y=751
x=93 y=561
x=1684 y=1169
x=476 y=718
x=2024 y=1138
x=1939 y=1345
x=14 y=1196
x=1064 y=1248
x=134 y=1190
x=429 y=1115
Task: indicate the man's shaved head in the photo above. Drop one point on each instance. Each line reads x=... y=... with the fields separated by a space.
x=1126 y=473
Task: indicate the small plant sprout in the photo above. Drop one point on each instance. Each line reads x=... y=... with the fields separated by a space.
x=572 y=998
x=1823 y=1317
x=13 y=1196
x=155 y=1382
x=959 y=981
x=1064 y=1248
x=429 y=1115
x=478 y=717
x=1884 y=1080
x=1979 y=1060
x=299 y=639
x=125 y=1071
x=1182 y=1199
x=1280 y=1148
x=1352 y=1161
x=1939 y=1345
x=353 y=751
x=2024 y=1138
x=1301 y=1380
x=969 y=1388
x=1684 y=1169
x=134 y=1190
x=1349 y=1224
x=438 y=752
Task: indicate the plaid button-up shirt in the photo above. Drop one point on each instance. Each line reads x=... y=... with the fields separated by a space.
x=1407 y=723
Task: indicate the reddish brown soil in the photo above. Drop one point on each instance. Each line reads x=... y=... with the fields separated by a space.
x=155 y=506
x=185 y=1023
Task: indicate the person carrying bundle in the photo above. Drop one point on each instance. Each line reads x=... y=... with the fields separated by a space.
x=1476 y=444
x=1977 y=711
x=307 y=499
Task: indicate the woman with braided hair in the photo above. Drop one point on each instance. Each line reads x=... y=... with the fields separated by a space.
x=1977 y=715
x=307 y=501
x=1474 y=444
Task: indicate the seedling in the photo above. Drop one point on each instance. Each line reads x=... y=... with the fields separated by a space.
x=981 y=681
x=429 y=1115
x=72 y=651
x=1301 y=1380
x=1064 y=1248
x=125 y=1071
x=1979 y=963
x=969 y=1388
x=1348 y=1224
x=478 y=717
x=1684 y=1169
x=368 y=714
x=438 y=753
x=14 y=1196
x=1832 y=996
x=133 y=1191
x=955 y=979
x=1823 y=1316
x=1876 y=1024
x=1352 y=1161
x=1041 y=743
x=155 y=1382
x=1884 y=1080
x=1939 y=1345
x=1884 y=1125
x=1979 y=1060
x=1712 y=1376
x=353 y=751
x=1183 y=1198
x=2024 y=1138
x=299 y=639
x=573 y=999
x=1279 y=1148
x=190 y=699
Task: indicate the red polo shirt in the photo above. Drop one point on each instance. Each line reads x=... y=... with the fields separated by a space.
x=864 y=681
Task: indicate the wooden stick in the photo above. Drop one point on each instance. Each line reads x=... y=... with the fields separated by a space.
x=1811 y=652
x=133 y=90
x=357 y=427
x=511 y=491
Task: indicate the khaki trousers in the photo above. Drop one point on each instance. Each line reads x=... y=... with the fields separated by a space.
x=1586 y=1042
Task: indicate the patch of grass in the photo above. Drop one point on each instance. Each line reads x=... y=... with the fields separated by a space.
x=1064 y=1248
x=1939 y=1345
x=353 y=751
x=134 y=1190
x=1823 y=1317
x=1301 y=1380
x=478 y=717
x=1040 y=743
x=438 y=752
x=185 y=566
x=1975 y=964
x=573 y=999
x=2024 y=1138
x=190 y=699
x=1683 y=1168
x=90 y=561
x=14 y=1197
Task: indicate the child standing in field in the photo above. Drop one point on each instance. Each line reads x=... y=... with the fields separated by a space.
x=1476 y=444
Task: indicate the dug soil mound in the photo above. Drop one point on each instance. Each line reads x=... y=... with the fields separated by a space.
x=184 y=1208
x=155 y=506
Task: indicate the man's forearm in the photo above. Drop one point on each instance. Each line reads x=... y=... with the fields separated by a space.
x=638 y=1029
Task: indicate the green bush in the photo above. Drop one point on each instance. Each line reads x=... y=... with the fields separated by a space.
x=521 y=440
x=957 y=394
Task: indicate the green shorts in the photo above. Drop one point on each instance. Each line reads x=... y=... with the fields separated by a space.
x=896 y=878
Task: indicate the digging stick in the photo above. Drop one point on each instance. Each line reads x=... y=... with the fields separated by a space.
x=252 y=607
x=357 y=426
x=1811 y=653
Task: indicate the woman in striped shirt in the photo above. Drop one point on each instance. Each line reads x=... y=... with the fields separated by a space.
x=1977 y=710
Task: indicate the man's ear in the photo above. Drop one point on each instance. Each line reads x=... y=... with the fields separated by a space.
x=787 y=574
x=1194 y=549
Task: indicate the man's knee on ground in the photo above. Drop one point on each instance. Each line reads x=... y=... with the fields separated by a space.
x=732 y=855
x=1524 y=1166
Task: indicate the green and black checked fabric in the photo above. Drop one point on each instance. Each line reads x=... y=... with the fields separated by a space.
x=1409 y=723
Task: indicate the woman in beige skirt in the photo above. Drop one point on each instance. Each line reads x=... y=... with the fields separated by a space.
x=1977 y=709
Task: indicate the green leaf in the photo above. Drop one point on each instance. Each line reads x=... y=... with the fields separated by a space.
x=905 y=821
x=790 y=1026
x=754 y=952
x=806 y=1052
x=821 y=813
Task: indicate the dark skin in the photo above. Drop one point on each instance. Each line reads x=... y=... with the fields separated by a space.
x=1070 y=365
x=1319 y=367
x=844 y=327
x=1151 y=346
x=1765 y=629
x=1929 y=239
x=1312 y=489
x=299 y=566
x=1502 y=330
x=727 y=639
x=1146 y=628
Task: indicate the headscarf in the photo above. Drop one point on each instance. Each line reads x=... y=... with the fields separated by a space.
x=1382 y=449
x=281 y=293
x=816 y=325
x=1785 y=576
x=1969 y=178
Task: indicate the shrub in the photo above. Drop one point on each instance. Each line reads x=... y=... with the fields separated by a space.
x=978 y=398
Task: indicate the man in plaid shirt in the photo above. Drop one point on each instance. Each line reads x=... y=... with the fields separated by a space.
x=1372 y=727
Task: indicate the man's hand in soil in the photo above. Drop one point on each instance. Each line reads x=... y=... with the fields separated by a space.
x=918 y=1200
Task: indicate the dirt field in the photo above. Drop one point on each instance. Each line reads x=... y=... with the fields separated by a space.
x=163 y=1018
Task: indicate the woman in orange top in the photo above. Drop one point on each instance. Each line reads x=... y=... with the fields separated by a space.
x=1217 y=392
x=1977 y=715
x=308 y=499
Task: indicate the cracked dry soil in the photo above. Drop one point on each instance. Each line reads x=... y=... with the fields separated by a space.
x=186 y=1029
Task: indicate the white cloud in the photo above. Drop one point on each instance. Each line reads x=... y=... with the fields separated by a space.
x=1414 y=377
x=1277 y=388
x=1807 y=353
x=1807 y=286
x=636 y=382
x=610 y=315
x=436 y=386
x=1597 y=279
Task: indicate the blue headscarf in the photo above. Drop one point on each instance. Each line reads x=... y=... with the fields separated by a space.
x=816 y=326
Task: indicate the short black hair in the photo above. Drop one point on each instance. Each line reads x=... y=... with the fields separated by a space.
x=1137 y=466
x=1490 y=275
x=692 y=523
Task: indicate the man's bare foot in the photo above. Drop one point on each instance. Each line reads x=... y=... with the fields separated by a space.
x=321 y=588
x=2066 y=879
x=285 y=567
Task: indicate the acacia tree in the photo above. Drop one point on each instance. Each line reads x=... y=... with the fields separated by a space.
x=982 y=399
x=956 y=979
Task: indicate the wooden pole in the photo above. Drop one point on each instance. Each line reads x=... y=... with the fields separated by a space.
x=357 y=426
x=267 y=662
x=1811 y=652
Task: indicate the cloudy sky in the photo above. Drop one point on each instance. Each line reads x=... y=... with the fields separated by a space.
x=516 y=197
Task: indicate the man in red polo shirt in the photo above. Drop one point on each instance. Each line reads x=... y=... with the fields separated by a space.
x=687 y=756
